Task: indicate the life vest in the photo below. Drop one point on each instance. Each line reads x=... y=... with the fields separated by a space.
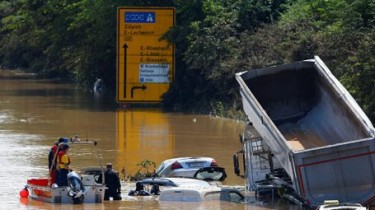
x=54 y=148
x=60 y=164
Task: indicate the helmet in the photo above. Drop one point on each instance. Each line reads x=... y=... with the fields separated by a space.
x=64 y=146
x=62 y=139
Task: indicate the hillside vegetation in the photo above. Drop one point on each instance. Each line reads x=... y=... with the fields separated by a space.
x=75 y=40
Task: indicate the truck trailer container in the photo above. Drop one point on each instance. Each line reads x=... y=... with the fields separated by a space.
x=315 y=130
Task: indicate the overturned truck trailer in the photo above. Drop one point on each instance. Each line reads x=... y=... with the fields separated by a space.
x=314 y=128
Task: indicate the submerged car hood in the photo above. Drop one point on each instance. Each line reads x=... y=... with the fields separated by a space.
x=211 y=174
x=159 y=182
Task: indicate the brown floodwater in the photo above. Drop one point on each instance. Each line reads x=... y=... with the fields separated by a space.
x=34 y=114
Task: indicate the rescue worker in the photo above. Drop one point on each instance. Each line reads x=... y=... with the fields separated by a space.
x=112 y=182
x=52 y=160
x=52 y=164
x=63 y=165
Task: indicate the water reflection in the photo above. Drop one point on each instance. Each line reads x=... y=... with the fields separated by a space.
x=143 y=135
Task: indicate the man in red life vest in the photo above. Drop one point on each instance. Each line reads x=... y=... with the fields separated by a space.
x=63 y=162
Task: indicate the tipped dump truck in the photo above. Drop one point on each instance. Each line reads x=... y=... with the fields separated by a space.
x=315 y=130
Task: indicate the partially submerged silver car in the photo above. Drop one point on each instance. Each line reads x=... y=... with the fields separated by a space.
x=204 y=168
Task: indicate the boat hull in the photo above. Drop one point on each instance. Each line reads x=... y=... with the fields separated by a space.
x=39 y=190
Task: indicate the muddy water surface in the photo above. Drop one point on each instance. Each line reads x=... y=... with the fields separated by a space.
x=33 y=114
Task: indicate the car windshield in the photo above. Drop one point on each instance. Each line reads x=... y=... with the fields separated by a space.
x=161 y=167
x=210 y=176
x=231 y=196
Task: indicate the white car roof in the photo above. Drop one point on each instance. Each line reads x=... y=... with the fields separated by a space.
x=187 y=194
x=339 y=206
x=187 y=158
x=198 y=189
x=186 y=182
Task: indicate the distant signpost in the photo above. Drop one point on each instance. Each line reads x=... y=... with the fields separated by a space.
x=145 y=61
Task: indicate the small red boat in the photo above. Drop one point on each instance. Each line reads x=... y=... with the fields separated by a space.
x=91 y=192
x=80 y=189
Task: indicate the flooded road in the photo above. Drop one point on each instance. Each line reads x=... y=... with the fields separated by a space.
x=34 y=114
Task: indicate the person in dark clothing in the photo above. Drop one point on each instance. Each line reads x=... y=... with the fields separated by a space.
x=112 y=182
x=155 y=190
x=139 y=190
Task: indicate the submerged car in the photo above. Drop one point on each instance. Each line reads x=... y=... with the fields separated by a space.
x=175 y=182
x=336 y=205
x=204 y=168
x=184 y=194
x=154 y=186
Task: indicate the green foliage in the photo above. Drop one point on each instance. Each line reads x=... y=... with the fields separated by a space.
x=253 y=13
x=360 y=74
x=211 y=43
x=143 y=171
x=331 y=16
x=76 y=40
x=218 y=108
x=341 y=32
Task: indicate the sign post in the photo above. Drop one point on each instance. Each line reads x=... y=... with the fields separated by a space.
x=145 y=61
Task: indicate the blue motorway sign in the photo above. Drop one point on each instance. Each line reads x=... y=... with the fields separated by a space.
x=140 y=17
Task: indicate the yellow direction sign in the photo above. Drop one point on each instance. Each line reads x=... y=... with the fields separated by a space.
x=145 y=62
